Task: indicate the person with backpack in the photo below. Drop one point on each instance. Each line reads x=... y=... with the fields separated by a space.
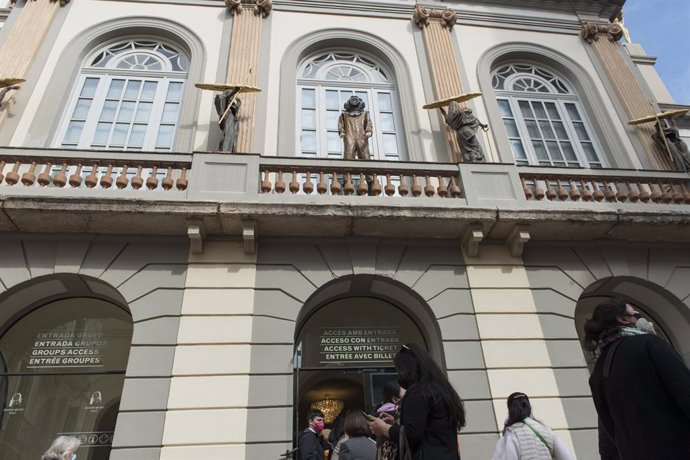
x=309 y=446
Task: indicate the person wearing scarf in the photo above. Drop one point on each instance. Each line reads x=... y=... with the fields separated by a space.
x=640 y=385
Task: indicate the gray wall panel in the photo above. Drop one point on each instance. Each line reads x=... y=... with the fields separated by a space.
x=145 y=394
x=477 y=446
x=160 y=302
x=40 y=255
x=151 y=453
x=139 y=429
x=150 y=361
x=13 y=269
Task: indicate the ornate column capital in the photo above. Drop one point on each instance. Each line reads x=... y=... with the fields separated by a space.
x=423 y=15
x=262 y=7
x=592 y=30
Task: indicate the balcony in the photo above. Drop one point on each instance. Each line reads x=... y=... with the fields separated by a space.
x=50 y=190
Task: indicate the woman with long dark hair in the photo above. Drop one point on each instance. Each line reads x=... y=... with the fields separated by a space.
x=431 y=412
x=640 y=385
x=525 y=438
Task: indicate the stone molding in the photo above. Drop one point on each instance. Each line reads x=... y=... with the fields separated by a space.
x=423 y=15
x=62 y=2
x=591 y=31
x=262 y=7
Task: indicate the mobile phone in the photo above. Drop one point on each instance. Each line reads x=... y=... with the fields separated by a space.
x=368 y=416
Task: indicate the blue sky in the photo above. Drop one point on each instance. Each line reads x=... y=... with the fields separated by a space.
x=661 y=27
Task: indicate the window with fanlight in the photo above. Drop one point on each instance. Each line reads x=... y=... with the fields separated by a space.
x=127 y=97
x=544 y=119
x=325 y=82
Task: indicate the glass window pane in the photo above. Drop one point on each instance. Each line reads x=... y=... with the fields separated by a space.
x=365 y=97
x=143 y=112
x=573 y=112
x=170 y=112
x=504 y=107
x=539 y=109
x=553 y=111
x=132 y=91
x=115 y=90
x=308 y=141
x=174 y=92
x=120 y=134
x=82 y=109
x=136 y=138
x=554 y=151
x=590 y=153
x=546 y=130
x=126 y=112
x=109 y=110
x=526 y=109
x=569 y=152
x=149 y=91
x=560 y=130
x=581 y=131
x=387 y=122
x=533 y=130
x=390 y=144
x=511 y=128
x=308 y=119
x=101 y=135
x=165 y=136
x=332 y=119
x=518 y=150
x=334 y=142
x=332 y=100
x=540 y=150
x=89 y=88
x=73 y=132
x=385 y=104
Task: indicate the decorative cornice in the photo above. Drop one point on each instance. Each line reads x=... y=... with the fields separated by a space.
x=423 y=15
x=62 y=2
x=591 y=31
x=262 y=7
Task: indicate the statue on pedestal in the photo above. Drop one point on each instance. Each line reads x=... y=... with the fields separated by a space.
x=666 y=128
x=228 y=106
x=465 y=124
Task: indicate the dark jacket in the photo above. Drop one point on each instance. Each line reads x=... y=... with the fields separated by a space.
x=644 y=404
x=359 y=448
x=428 y=426
x=309 y=446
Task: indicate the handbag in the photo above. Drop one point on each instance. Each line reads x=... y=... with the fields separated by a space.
x=404 y=452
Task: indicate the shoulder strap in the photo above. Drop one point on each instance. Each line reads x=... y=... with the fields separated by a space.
x=541 y=438
x=608 y=362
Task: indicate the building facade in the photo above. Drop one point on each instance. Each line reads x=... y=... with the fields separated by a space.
x=160 y=299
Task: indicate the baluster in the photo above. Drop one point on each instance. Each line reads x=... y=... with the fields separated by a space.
x=308 y=185
x=633 y=193
x=538 y=191
x=586 y=192
x=403 y=189
x=107 y=178
x=168 y=181
x=280 y=183
x=60 y=179
x=454 y=188
x=562 y=194
x=550 y=192
x=429 y=190
x=29 y=177
x=574 y=191
x=620 y=195
x=442 y=190
x=13 y=176
x=526 y=189
x=44 y=178
x=266 y=184
x=678 y=197
x=182 y=181
x=122 y=180
x=152 y=181
x=416 y=188
x=598 y=195
x=75 y=179
x=349 y=186
x=686 y=192
x=92 y=180
x=389 y=189
x=656 y=192
x=138 y=180
x=644 y=192
x=376 y=186
x=2 y=169
x=336 y=188
x=363 y=187
x=322 y=186
x=294 y=185
x=666 y=195
x=610 y=195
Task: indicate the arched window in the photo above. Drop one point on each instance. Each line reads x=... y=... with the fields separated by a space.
x=127 y=98
x=325 y=82
x=62 y=369
x=543 y=118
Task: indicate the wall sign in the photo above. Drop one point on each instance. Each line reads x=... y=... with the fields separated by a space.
x=358 y=344
x=67 y=349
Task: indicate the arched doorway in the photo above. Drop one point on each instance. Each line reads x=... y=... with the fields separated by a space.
x=63 y=358
x=347 y=336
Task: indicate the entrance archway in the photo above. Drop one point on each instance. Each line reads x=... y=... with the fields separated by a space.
x=348 y=333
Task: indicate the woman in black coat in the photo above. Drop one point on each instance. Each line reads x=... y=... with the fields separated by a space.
x=640 y=386
x=431 y=413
